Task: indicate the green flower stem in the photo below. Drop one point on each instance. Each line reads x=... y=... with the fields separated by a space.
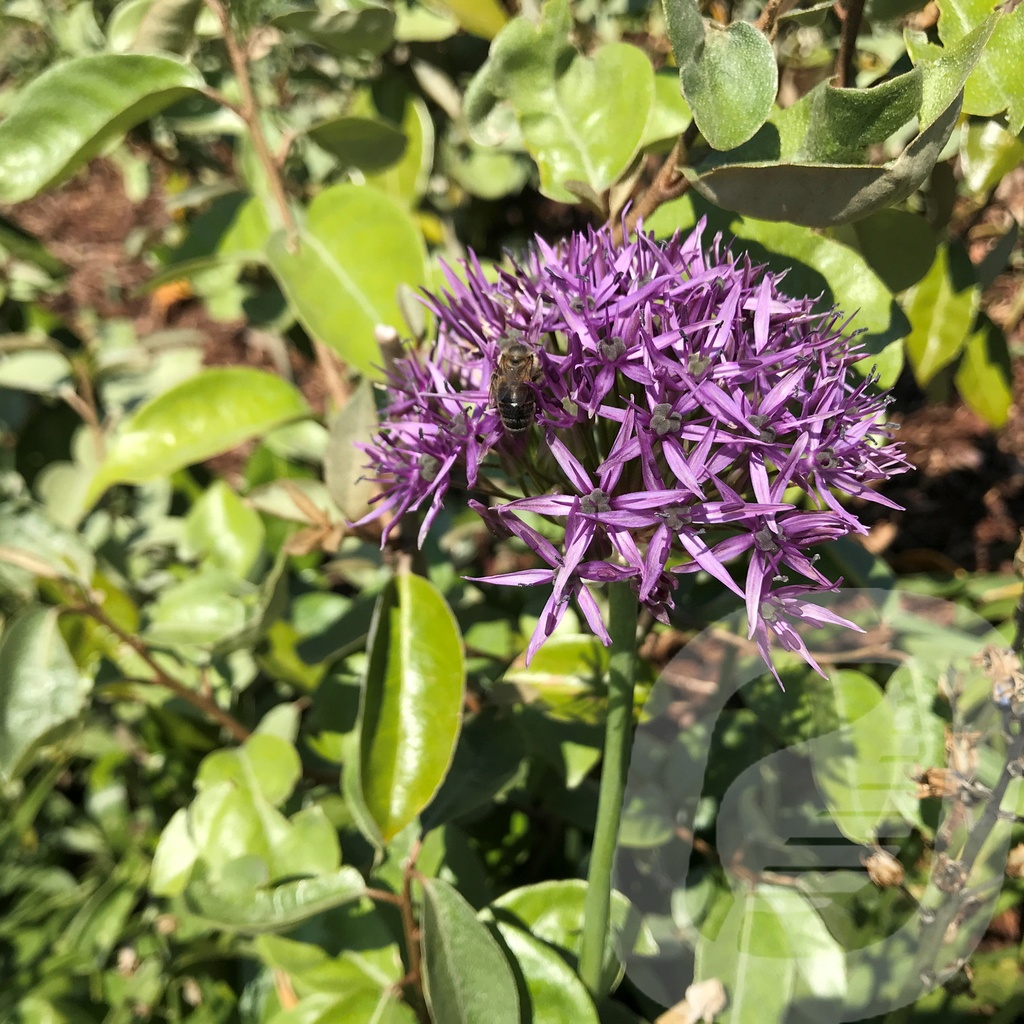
x=618 y=740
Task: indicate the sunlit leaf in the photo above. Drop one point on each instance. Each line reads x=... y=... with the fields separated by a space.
x=984 y=377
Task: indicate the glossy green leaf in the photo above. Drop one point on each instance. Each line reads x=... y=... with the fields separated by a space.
x=467 y=979
x=899 y=246
x=582 y=118
x=411 y=709
x=224 y=531
x=484 y=18
x=40 y=686
x=142 y=25
x=984 y=377
x=553 y=913
x=266 y=764
x=941 y=309
x=728 y=73
x=84 y=104
x=856 y=765
x=564 y=669
x=770 y=949
x=209 y=414
x=988 y=152
x=550 y=988
x=995 y=84
x=359 y=142
x=275 y=909
x=345 y=472
x=354 y=250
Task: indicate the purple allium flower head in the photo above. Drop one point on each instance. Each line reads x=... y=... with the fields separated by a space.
x=681 y=401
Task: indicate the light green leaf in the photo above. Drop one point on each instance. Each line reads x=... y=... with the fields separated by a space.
x=941 y=309
x=582 y=119
x=141 y=25
x=33 y=546
x=174 y=857
x=40 y=686
x=857 y=766
x=84 y=104
x=407 y=179
x=345 y=472
x=41 y=371
x=987 y=153
x=551 y=990
x=356 y=247
x=354 y=28
x=361 y=142
x=276 y=909
x=467 y=979
x=411 y=710
x=984 y=377
x=193 y=421
x=221 y=529
x=484 y=18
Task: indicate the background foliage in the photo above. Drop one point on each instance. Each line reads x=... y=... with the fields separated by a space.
x=210 y=211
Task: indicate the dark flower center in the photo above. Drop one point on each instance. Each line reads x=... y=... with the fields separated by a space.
x=766 y=541
x=594 y=502
x=664 y=420
x=612 y=349
x=826 y=458
x=429 y=465
x=676 y=517
x=765 y=433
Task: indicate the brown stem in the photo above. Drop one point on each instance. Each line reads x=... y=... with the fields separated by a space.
x=851 y=12
x=768 y=20
x=83 y=401
x=199 y=701
x=250 y=113
x=413 y=981
x=669 y=183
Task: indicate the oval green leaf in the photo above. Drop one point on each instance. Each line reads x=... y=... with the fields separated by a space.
x=984 y=377
x=71 y=112
x=40 y=686
x=360 y=142
x=411 y=709
x=276 y=909
x=344 y=464
x=356 y=247
x=549 y=987
x=208 y=414
x=467 y=979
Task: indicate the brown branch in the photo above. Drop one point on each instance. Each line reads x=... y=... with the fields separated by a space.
x=199 y=701
x=768 y=20
x=669 y=183
x=413 y=981
x=851 y=13
x=250 y=114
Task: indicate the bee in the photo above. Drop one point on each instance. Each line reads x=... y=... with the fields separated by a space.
x=512 y=387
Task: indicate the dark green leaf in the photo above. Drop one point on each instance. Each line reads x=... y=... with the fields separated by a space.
x=355 y=28
x=83 y=104
x=467 y=979
x=899 y=246
x=360 y=142
x=984 y=377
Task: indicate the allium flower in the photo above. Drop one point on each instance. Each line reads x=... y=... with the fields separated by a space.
x=679 y=398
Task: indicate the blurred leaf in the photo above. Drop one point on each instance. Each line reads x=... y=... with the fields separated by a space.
x=49 y=551
x=84 y=103
x=204 y=609
x=41 y=371
x=484 y=18
x=484 y=171
x=467 y=979
x=988 y=152
x=407 y=179
x=345 y=472
x=141 y=25
x=941 y=309
x=551 y=990
x=40 y=687
x=22 y=245
x=669 y=115
x=857 y=766
x=359 y=142
x=411 y=709
x=208 y=414
x=355 y=28
x=275 y=909
x=984 y=377
x=728 y=73
x=223 y=531
x=565 y=668
x=356 y=247
x=899 y=246
x=582 y=118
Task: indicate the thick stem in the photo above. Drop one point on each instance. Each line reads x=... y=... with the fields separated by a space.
x=618 y=741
